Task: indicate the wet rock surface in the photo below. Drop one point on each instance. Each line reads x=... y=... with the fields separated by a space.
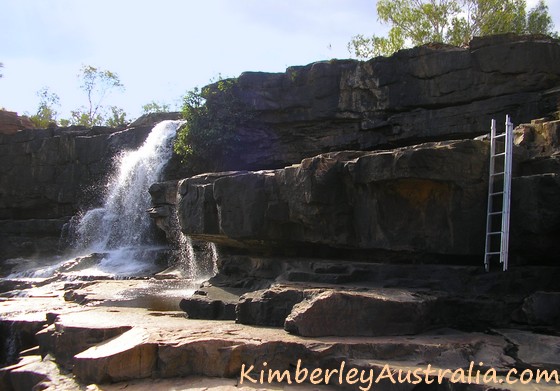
x=101 y=343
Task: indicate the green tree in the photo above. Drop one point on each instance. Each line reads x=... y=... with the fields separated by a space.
x=455 y=22
x=117 y=117
x=82 y=118
x=208 y=140
x=539 y=21
x=97 y=84
x=155 y=107
x=46 y=112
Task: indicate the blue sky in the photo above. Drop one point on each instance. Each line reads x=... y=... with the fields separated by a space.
x=160 y=49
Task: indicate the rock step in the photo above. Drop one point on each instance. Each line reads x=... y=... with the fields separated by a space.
x=361 y=311
x=263 y=271
x=65 y=342
x=169 y=346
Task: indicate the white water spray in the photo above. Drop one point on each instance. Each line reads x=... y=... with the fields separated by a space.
x=121 y=227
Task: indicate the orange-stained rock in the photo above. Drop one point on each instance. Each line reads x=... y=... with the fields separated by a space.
x=11 y=122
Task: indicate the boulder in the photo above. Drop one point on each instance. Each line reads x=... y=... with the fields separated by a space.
x=344 y=313
x=268 y=307
x=163 y=211
x=541 y=138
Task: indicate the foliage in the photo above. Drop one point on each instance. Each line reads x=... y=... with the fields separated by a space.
x=82 y=117
x=97 y=84
x=539 y=21
x=155 y=107
x=208 y=139
x=46 y=113
x=455 y=22
x=117 y=117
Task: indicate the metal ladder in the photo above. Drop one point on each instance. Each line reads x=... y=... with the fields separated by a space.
x=499 y=195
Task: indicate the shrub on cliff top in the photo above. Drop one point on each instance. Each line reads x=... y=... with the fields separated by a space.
x=208 y=140
x=46 y=112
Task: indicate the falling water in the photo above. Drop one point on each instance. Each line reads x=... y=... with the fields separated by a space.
x=194 y=264
x=215 y=255
x=186 y=256
x=121 y=227
x=116 y=238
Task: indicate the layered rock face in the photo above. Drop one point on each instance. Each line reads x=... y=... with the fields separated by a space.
x=428 y=198
x=429 y=93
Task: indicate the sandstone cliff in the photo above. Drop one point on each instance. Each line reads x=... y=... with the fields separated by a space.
x=423 y=201
x=429 y=93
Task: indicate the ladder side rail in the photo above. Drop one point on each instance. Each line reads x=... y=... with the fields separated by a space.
x=507 y=194
x=487 y=246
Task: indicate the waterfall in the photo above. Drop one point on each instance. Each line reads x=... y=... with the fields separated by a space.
x=115 y=239
x=194 y=264
x=121 y=227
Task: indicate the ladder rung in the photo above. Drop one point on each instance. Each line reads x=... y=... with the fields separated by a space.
x=499 y=154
